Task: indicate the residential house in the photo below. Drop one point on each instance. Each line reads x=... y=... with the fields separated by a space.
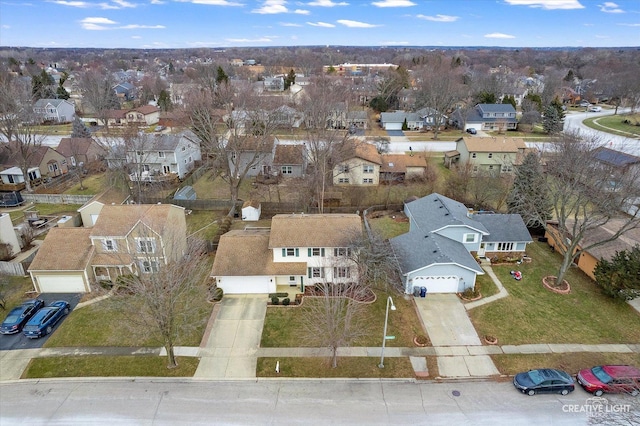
x=362 y=167
x=55 y=110
x=424 y=118
x=126 y=239
x=400 y=167
x=81 y=150
x=286 y=117
x=492 y=117
x=161 y=156
x=274 y=84
x=439 y=251
x=49 y=162
x=146 y=115
x=251 y=154
x=487 y=155
x=125 y=91
x=588 y=259
x=341 y=117
x=12 y=179
x=8 y=237
x=299 y=250
x=290 y=160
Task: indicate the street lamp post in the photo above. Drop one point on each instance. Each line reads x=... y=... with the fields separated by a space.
x=384 y=335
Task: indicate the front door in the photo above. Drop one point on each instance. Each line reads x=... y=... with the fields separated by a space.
x=481 y=250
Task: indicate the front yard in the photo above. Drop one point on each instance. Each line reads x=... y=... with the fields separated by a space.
x=532 y=314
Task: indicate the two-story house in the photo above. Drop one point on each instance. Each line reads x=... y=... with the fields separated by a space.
x=424 y=118
x=251 y=155
x=299 y=250
x=492 y=117
x=55 y=110
x=290 y=160
x=145 y=115
x=360 y=168
x=126 y=239
x=162 y=156
x=80 y=150
x=487 y=155
x=439 y=251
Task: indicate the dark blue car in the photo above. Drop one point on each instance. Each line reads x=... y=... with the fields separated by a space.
x=45 y=319
x=19 y=316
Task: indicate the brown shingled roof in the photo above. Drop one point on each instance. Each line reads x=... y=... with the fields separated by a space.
x=288 y=154
x=119 y=220
x=398 y=163
x=314 y=230
x=494 y=144
x=246 y=253
x=147 y=109
x=64 y=249
x=74 y=146
x=368 y=152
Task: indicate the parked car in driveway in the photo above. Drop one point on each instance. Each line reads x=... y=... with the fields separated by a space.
x=45 y=319
x=545 y=380
x=18 y=317
x=595 y=109
x=472 y=131
x=610 y=379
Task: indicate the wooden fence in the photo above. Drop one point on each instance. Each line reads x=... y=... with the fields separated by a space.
x=57 y=198
x=14 y=268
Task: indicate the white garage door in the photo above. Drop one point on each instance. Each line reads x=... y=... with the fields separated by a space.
x=440 y=284
x=393 y=126
x=247 y=285
x=61 y=284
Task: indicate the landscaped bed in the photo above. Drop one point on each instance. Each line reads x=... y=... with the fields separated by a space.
x=320 y=367
x=533 y=314
x=109 y=366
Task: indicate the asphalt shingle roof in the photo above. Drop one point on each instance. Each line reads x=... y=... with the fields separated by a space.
x=314 y=230
x=504 y=227
x=64 y=249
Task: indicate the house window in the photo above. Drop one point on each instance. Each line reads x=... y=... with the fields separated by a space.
x=149 y=266
x=342 y=252
x=490 y=155
x=367 y=168
x=475 y=169
x=341 y=272
x=286 y=170
x=343 y=168
x=290 y=252
x=473 y=155
x=190 y=159
x=146 y=245
x=139 y=153
x=315 y=272
x=161 y=154
x=470 y=238
x=73 y=161
x=491 y=167
x=292 y=279
x=53 y=167
x=367 y=180
x=184 y=148
x=185 y=161
x=505 y=246
x=145 y=168
x=343 y=180
x=315 y=252
x=109 y=245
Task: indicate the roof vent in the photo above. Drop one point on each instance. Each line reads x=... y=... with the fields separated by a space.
x=435 y=251
x=446 y=214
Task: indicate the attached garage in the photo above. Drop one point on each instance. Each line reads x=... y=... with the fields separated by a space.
x=438 y=284
x=247 y=285
x=59 y=283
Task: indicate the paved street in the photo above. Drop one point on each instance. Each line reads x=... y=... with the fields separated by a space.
x=313 y=402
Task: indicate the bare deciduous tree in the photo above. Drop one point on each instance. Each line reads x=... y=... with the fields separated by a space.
x=587 y=195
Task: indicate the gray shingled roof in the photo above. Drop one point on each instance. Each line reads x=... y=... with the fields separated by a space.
x=415 y=250
x=436 y=211
x=504 y=227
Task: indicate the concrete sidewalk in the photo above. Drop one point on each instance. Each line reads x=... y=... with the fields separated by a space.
x=502 y=292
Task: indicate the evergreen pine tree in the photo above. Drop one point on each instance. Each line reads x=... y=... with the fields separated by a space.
x=529 y=196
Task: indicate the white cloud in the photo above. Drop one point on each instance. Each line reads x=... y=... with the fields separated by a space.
x=98 y=20
x=630 y=25
x=439 y=18
x=610 y=7
x=101 y=24
x=5 y=27
x=136 y=37
x=301 y=12
x=113 y=5
x=327 y=3
x=499 y=35
x=157 y=2
x=72 y=3
x=289 y=24
x=144 y=27
x=355 y=24
x=271 y=7
x=393 y=3
x=547 y=4
x=321 y=24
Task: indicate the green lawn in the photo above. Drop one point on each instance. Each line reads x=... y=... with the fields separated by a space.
x=388 y=227
x=45 y=210
x=569 y=362
x=351 y=367
x=485 y=285
x=105 y=324
x=93 y=184
x=283 y=326
x=13 y=290
x=533 y=314
x=108 y=366
x=606 y=123
x=203 y=223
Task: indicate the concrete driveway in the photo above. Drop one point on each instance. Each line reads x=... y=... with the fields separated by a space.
x=230 y=349
x=453 y=337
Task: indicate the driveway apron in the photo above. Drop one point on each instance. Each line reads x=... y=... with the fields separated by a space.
x=230 y=350
x=446 y=321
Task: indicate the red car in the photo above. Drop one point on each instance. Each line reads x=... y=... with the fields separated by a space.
x=610 y=379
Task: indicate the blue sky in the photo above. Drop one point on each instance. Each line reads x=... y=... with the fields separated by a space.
x=238 y=23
